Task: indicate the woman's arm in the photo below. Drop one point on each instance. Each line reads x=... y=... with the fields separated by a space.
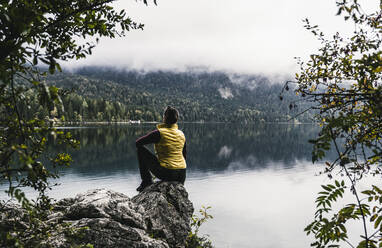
x=150 y=138
x=184 y=151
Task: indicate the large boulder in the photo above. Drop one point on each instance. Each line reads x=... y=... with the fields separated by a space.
x=166 y=212
x=158 y=217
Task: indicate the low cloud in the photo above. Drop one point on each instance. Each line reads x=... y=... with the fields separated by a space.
x=243 y=36
x=224 y=152
x=225 y=93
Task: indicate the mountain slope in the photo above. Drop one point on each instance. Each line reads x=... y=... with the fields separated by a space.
x=109 y=94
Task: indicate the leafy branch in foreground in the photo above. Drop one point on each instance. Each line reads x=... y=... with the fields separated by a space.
x=34 y=33
x=194 y=240
x=343 y=84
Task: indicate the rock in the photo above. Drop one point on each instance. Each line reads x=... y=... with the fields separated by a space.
x=158 y=217
x=166 y=213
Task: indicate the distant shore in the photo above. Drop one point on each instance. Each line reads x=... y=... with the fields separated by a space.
x=105 y=123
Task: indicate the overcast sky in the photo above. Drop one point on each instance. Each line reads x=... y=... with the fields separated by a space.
x=244 y=36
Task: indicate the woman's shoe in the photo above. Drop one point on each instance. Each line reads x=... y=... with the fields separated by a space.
x=143 y=186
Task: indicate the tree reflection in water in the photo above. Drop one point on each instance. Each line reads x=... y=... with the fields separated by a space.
x=211 y=147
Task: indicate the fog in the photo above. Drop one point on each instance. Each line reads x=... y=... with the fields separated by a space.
x=239 y=36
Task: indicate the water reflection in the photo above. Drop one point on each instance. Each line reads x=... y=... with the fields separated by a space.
x=210 y=147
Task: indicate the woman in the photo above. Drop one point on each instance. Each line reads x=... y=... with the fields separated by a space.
x=169 y=163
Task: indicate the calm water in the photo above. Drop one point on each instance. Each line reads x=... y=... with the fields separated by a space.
x=258 y=179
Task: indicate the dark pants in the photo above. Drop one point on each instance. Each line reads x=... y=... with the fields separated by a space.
x=148 y=162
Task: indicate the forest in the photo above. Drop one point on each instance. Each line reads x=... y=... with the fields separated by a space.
x=111 y=95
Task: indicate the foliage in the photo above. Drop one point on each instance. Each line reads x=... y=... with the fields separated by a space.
x=32 y=33
x=343 y=82
x=193 y=239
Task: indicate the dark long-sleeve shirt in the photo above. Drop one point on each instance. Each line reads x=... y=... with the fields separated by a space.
x=152 y=138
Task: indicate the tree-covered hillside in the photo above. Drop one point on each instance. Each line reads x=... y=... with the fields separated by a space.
x=105 y=94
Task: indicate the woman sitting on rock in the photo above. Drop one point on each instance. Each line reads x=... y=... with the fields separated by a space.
x=169 y=164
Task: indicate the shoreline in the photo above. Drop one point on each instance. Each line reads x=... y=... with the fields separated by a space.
x=111 y=123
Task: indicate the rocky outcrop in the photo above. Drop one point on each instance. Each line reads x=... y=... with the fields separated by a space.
x=158 y=217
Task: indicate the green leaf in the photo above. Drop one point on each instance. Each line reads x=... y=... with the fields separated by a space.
x=51 y=69
x=373 y=217
x=377 y=222
x=326 y=187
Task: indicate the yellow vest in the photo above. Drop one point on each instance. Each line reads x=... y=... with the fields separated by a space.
x=169 y=149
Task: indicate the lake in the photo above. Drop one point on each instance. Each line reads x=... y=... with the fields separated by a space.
x=258 y=179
